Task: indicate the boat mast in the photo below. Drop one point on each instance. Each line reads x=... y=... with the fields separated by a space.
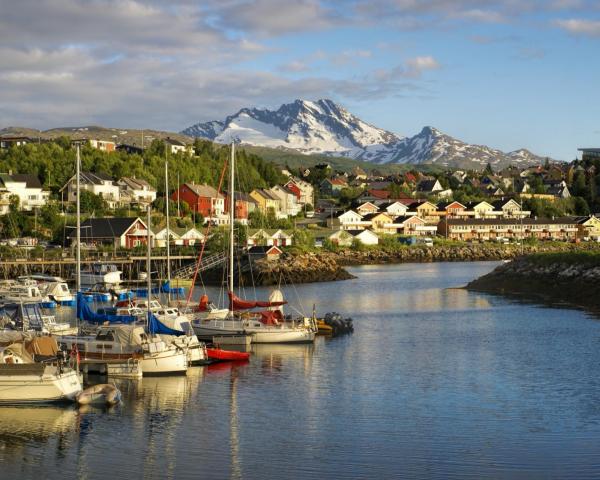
x=168 y=231
x=231 y=218
x=78 y=227
x=148 y=254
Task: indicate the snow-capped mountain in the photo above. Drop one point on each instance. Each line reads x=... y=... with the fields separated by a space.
x=323 y=127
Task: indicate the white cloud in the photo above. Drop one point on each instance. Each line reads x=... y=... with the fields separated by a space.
x=580 y=26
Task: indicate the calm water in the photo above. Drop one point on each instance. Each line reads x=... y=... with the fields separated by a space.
x=434 y=383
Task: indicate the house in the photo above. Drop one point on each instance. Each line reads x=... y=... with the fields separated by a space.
x=175 y=146
x=14 y=141
x=558 y=191
x=104 y=145
x=119 y=232
x=480 y=210
x=130 y=148
x=380 y=222
x=349 y=220
x=203 y=199
x=367 y=208
x=160 y=238
x=244 y=204
x=510 y=209
x=287 y=199
x=358 y=173
x=414 y=225
x=588 y=227
x=451 y=209
x=278 y=238
x=429 y=187
x=189 y=236
x=307 y=191
x=25 y=186
x=259 y=252
x=366 y=237
x=97 y=183
x=424 y=209
x=331 y=187
x=136 y=191
x=482 y=229
x=338 y=237
x=395 y=208
x=266 y=201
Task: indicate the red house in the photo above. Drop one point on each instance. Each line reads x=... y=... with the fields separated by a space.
x=202 y=199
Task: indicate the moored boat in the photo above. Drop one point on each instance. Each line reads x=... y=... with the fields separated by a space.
x=24 y=380
x=101 y=394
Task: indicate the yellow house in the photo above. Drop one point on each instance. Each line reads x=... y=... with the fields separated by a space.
x=265 y=200
x=588 y=227
x=425 y=210
x=381 y=222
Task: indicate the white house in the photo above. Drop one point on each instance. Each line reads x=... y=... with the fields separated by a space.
x=277 y=238
x=175 y=146
x=160 y=238
x=287 y=199
x=349 y=220
x=104 y=145
x=366 y=237
x=136 y=190
x=395 y=209
x=190 y=236
x=338 y=237
x=97 y=183
x=25 y=186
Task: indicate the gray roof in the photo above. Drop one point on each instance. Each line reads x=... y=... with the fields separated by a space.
x=104 y=227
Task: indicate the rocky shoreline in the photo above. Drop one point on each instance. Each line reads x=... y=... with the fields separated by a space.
x=325 y=266
x=558 y=279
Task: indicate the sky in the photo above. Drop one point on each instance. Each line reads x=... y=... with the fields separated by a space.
x=504 y=73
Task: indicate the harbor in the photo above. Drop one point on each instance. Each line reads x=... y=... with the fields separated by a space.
x=432 y=373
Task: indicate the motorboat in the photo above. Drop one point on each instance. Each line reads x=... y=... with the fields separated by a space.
x=54 y=288
x=25 y=380
x=169 y=316
x=101 y=273
x=28 y=316
x=101 y=394
x=115 y=342
x=21 y=292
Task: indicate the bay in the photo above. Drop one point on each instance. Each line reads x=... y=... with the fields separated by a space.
x=436 y=382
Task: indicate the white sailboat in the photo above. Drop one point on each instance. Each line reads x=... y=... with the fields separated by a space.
x=22 y=380
x=264 y=327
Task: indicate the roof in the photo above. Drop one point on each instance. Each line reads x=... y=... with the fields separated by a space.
x=509 y=221
x=137 y=183
x=111 y=227
x=31 y=181
x=338 y=181
x=383 y=194
x=203 y=190
x=426 y=185
x=172 y=141
x=444 y=205
x=264 y=250
x=498 y=204
x=355 y=233
x=589 y=150
x=370 y=216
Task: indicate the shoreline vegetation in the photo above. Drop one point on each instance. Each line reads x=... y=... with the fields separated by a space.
x=569 y=278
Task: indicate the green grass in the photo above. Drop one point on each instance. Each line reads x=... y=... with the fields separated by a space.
x=579 y=257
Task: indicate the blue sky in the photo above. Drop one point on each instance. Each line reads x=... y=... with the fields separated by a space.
x=505 y=73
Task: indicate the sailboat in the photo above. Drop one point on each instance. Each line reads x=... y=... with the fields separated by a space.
x=266 y=326
x=119 y=337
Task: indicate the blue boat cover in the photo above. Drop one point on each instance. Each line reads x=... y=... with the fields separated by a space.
x=84 y=312
x=156 y=326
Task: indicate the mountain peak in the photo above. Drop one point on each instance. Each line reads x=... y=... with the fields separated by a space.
x=324 y=127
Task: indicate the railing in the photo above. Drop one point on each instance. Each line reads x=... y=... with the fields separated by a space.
x=208 y=262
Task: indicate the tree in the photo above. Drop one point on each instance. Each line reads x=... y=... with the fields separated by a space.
x=304 y=238
x=92 y=203
x=488 y=169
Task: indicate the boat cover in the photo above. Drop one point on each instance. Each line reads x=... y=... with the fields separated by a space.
x=19 y=350
x=84 y=312
x=42 y=346
x=156 y=326
x=237 y=303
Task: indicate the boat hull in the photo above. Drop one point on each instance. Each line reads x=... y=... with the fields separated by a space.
x=167 y=362
x=276 y=335
x=50 y=386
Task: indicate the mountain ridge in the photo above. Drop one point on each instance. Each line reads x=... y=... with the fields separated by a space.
x=325 y=128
